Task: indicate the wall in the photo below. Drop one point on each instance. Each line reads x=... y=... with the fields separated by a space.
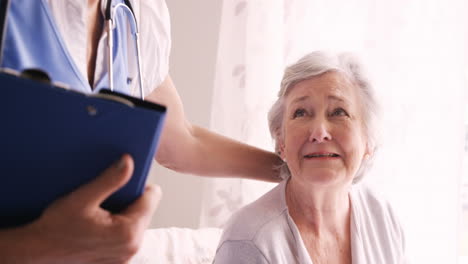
x=195 y=27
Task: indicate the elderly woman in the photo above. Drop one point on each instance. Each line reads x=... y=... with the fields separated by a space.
x=323 y=124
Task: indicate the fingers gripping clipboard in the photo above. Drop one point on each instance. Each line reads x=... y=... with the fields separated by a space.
x=53 y=140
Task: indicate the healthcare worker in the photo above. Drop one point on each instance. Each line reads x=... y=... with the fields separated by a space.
x=69 y=40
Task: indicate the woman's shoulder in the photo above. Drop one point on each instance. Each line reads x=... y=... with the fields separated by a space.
x=248 y=221
x=259 y=232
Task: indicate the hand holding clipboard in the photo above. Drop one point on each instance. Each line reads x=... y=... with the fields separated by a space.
x=54 y=140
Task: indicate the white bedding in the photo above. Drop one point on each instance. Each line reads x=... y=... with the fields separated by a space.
x=178 y=245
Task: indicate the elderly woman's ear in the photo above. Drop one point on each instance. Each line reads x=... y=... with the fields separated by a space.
x=366 y=156
x=281 y=150
x=368 y=153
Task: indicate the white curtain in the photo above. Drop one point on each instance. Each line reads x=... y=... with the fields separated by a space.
x=416 y=52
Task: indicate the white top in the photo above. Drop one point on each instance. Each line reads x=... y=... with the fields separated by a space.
x=264 y=232
x=155 y=41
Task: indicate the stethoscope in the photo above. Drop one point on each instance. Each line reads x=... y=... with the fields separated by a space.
x=110 y=15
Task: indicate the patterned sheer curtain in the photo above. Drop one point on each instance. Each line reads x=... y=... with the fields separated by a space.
x=416 y=52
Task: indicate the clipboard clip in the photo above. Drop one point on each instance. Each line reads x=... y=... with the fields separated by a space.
x=41 y=76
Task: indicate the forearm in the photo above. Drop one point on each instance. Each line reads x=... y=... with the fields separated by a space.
x=206 y=153
x=222 y=156
x=191 y=149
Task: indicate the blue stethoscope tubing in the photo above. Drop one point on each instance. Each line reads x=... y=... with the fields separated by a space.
x=110 y=15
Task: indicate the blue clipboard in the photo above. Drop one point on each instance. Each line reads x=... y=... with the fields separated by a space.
x=53 y=140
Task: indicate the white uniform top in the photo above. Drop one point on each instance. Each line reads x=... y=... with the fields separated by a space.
x=155 y=41
x=264 y=232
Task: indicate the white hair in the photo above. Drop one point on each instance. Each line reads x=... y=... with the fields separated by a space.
x=315 y=64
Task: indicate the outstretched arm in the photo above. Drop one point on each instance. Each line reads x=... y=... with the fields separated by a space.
x=191 y=149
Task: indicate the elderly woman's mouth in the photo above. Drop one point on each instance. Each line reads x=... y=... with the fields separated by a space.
x=321 y=155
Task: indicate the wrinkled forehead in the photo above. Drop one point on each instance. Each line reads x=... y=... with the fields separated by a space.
x=329 y=85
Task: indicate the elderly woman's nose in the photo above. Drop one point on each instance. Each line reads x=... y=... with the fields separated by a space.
x=319 y=132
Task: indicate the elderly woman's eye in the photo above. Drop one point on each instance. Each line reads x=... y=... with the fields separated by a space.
x=339 y=112
x=299 y=112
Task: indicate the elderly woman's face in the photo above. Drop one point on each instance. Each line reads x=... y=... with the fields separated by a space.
x=323 y=140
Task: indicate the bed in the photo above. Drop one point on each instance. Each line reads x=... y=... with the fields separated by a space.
x=178 y=245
